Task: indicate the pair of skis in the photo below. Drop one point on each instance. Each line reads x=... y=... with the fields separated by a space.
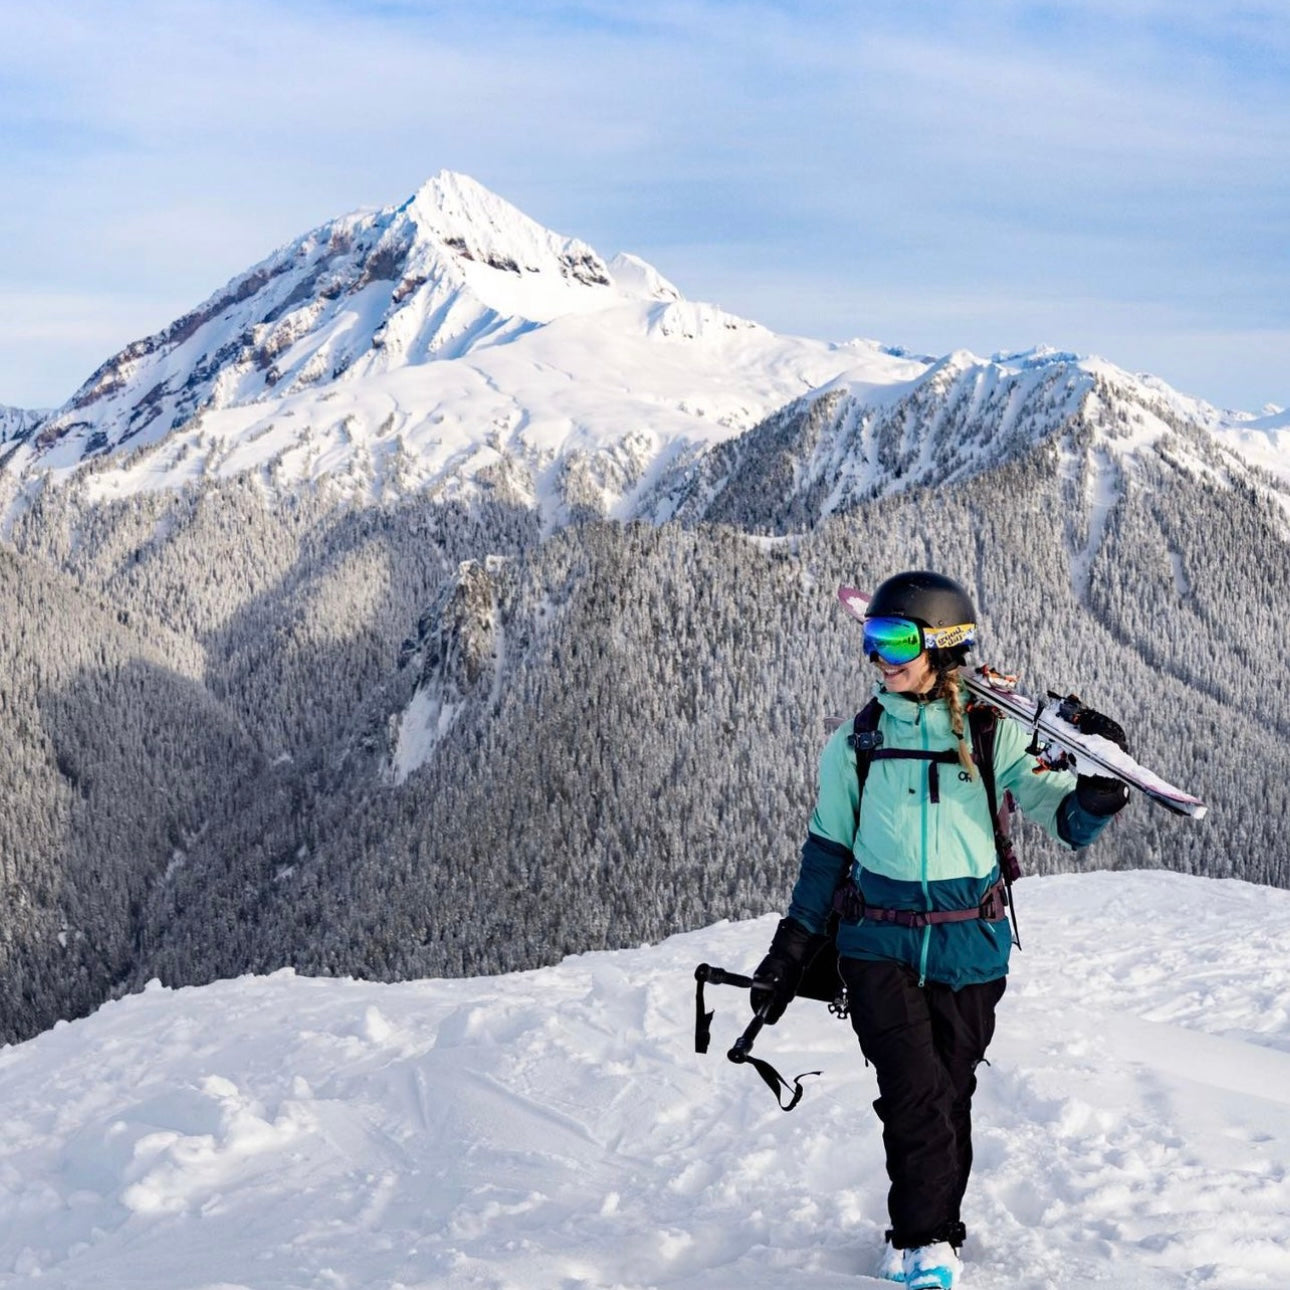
x=1054 y=739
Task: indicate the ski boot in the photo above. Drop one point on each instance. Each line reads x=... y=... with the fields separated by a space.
x=932 y=1267
x=891 y=1267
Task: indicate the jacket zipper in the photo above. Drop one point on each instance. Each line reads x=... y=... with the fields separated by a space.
x=927 y=895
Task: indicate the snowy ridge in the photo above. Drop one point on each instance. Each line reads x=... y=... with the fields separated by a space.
x=555 y=1128
x=857 y=438
x=1263 y=441
x=575 y=416
x=936 y=423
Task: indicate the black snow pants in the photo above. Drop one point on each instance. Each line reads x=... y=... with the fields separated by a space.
x=924 y=1044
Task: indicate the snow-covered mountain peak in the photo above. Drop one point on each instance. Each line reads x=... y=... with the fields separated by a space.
x=635 y=277
x=1264 y=441
x=453 y=270
x=423 y=347
x=1273 y=418
x=454 y=211
x=957 y=360
x=452 y=205
x=414 y=347
x=1036 y=356
x=451 y=202
x=16 y=423
x=951 y=368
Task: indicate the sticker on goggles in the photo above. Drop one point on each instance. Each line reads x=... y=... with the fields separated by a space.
x=948 y=637
x=895 y=640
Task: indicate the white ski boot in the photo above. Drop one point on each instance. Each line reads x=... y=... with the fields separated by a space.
x=891 y=1267
x=932 y=1267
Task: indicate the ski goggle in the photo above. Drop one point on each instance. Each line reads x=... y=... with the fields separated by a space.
x=894 y=640
x=901 y=640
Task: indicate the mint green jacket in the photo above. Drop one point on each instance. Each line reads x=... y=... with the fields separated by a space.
x=906 y=851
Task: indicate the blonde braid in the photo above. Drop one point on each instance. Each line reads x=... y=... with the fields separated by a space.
x=950 y=690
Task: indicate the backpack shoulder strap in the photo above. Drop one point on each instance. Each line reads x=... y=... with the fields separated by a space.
x=865 y=738
x=983 y=721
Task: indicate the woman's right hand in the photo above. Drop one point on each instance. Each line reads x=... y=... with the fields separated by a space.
x=780 y=973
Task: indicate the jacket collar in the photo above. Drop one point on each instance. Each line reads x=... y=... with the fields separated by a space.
x=935 y=713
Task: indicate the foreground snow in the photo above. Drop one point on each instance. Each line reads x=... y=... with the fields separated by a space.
x=555 y=1128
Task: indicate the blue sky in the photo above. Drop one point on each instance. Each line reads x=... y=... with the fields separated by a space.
x=1112 y=178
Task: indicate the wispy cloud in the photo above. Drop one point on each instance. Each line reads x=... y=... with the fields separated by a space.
x=827 y=169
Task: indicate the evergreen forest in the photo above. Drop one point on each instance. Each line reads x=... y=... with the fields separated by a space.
x=423 y=738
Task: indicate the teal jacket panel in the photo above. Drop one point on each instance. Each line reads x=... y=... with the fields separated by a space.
x=912 y=853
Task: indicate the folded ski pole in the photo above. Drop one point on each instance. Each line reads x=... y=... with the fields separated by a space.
x=741 y=1050
x=719 y=976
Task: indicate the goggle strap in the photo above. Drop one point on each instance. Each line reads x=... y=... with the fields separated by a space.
x=948 y=637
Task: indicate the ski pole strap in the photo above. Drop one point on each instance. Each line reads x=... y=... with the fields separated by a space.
x=702 y=1019
x=775 y=1081
x=992 y=908
x=741 y=1053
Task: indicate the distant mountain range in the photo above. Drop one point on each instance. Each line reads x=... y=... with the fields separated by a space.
x=441 y=597
x=451 y=343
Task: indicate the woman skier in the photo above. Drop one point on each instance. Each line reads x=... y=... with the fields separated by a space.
x=924 y=939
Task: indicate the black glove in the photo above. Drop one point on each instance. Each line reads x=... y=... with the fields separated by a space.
x=1089 y=721
x=1097 y=794
x=776 y=980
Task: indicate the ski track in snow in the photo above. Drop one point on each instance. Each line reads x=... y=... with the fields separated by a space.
x=556 y=1129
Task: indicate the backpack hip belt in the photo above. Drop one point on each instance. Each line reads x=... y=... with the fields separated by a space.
x=993 y=907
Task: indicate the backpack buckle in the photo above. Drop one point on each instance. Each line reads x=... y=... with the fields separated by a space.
x=995 y=905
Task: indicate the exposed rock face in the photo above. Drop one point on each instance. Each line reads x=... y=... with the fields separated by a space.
x=17 y=424
x=456 y=636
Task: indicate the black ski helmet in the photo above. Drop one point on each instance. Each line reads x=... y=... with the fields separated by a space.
x=931 y=599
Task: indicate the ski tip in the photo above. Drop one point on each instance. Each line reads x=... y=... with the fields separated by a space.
x=853 y=601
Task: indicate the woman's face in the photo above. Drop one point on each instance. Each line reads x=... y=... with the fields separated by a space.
x=911 y=678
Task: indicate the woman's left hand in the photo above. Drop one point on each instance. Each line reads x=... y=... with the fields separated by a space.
x=1098 y=794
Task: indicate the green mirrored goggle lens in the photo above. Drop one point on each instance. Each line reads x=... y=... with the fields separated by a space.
x=895 y=640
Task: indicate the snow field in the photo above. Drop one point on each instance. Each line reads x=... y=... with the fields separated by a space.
x=556 y=1129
